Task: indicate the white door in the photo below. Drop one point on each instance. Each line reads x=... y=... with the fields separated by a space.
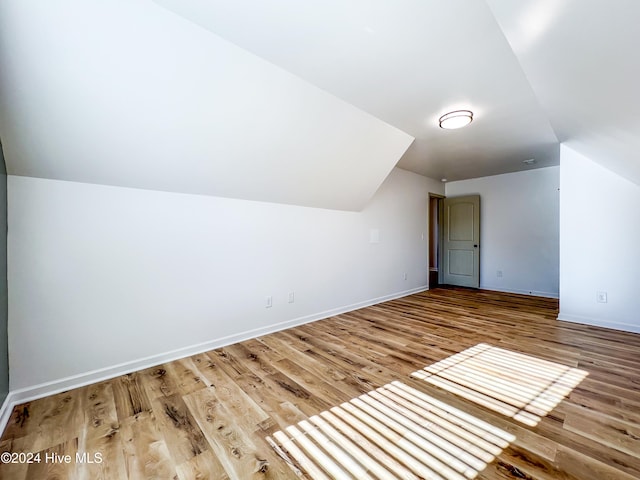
x=461 y=241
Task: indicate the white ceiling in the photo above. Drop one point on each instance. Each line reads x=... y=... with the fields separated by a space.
x=581 y=59
x=406 y=62
x=312 y=103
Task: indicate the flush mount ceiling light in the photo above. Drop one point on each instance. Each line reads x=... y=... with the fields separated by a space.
x=456 y=119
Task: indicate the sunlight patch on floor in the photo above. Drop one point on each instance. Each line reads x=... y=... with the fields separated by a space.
x=393 y=432
x=513 y=384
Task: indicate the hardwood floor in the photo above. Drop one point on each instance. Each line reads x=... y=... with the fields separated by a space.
x=231 y=413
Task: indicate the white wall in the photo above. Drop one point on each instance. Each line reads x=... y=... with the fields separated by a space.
x=102 y=275
x=518 y=230
x=599 y=237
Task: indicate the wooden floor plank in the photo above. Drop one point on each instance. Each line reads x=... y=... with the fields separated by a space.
x=130 y=396
x=180 y=432
x=145 y=452
x=54 y=462
x=233 y=443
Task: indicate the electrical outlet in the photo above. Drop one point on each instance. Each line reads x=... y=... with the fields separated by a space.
x=292 y=297
x=405 y=276
x=499 y=274
x=268 y=302
x=602 y=297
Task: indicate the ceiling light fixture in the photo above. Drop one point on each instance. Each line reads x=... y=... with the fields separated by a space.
x=456 y=119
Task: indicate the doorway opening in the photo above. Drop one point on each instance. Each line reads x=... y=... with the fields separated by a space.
x=435 y=228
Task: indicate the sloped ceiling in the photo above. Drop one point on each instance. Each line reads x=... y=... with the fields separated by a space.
x=312 y=103
x=125 y=93
x=581 y=59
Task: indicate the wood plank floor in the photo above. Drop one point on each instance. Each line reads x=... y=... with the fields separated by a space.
x=211 y=415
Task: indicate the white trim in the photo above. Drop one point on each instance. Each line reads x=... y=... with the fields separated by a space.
x=22 y=395
x=596 y=322
x=5 y=410
x=535 y=293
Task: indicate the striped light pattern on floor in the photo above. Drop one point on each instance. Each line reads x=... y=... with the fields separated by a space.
x=516 y=385
x=393 y=432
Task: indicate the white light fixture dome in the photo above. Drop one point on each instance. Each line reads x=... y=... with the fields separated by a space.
x=456 y=119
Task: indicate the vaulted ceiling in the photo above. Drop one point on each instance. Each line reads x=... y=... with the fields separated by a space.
x=580 y=57
x=312 y=103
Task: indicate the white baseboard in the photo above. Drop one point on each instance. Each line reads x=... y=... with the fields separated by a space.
x=535 y=293
x=5 y=411
x=22 y=395
x=596 y=322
